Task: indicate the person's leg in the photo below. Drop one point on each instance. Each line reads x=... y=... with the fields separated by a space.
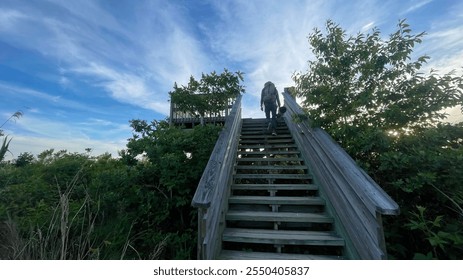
x=274 y=118
x=267 y=116
x=267 y=111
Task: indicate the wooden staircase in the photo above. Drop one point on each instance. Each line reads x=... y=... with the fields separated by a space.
x=274 y=209
x=297 y=195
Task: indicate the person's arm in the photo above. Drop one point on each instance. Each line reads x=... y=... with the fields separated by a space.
x=278 y=99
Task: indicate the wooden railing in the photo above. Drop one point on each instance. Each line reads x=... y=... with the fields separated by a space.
x=356 y=201
x=213 y=189
x=180 y=117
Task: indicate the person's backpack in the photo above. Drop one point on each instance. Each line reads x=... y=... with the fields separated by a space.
x=269 y=92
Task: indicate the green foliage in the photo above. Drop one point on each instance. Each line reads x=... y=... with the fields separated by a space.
x=210 y=94
x=52 y=208
x=24 y=159
x=370 y=95
x=4 y=148
x=174 y=160
x=64 y=205
x=365 y=83
x=423 y=171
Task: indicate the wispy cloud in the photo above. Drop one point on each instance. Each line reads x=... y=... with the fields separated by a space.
x=9 y=17
x=35 y=124
x=446 y=40
x=416 y=5
x=268 y=39
x=55 y=100
x=124 y=87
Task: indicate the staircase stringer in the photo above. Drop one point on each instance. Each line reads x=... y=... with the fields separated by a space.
x=355 y=200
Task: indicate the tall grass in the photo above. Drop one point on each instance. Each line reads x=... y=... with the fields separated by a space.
x=53 y=242
x=63 y=237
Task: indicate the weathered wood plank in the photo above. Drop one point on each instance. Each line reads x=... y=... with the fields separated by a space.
x=275 y=187
x=279 y=136
x=269 y=146
x=242 y=255
x=236 y=215
x=274 y=176
x=268 y=152
x=263 y=132
x=278 y=159
x=286 y=237
x=276 y=200
x=267 y=141
x=271 y=167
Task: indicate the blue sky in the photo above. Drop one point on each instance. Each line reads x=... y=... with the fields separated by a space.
x=80 y=70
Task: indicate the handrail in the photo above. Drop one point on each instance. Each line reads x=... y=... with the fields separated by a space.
x=355 y=198
x=178 y=116
x=212 y=192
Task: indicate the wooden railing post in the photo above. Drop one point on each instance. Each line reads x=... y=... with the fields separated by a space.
x=201 y=231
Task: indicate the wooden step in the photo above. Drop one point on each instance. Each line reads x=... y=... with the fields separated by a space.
x=273 y=176
x=268 y=146
x=254 y=119
x=263 y=132
x=266 y=141
x=282 y=237
x=257 y=126
x=276 y=200
x=271 y=167
x=265 y=136
x=282 y=136
x=246 y=255
x=249 y=121
x=259 y=216
x=262 y=122
x=268 y=152
x=275 y=187
x=262 y=159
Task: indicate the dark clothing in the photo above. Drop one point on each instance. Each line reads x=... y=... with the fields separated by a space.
x=270 y=106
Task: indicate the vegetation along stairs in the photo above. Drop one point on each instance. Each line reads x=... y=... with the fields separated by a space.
x=274 y=207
